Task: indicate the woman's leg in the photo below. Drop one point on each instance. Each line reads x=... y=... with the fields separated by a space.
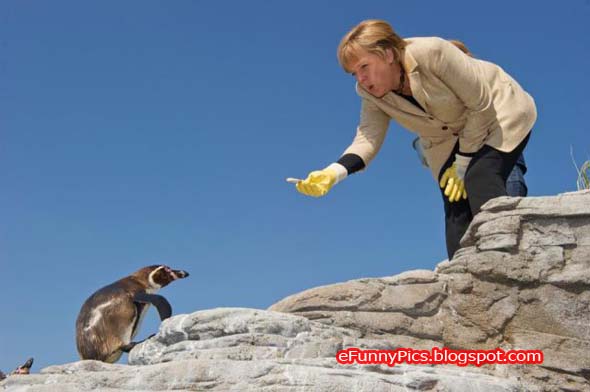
x=516 y=184
x=487 y=173
x=457 y=215
x=485 y=179
x=457 y=219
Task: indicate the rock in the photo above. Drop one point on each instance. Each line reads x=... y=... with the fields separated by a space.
x=268 y=375
x=234 y=349
x=241 y=335
x=521 y=281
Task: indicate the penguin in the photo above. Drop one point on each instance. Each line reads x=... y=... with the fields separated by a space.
x=110 y=318
x=24 y=369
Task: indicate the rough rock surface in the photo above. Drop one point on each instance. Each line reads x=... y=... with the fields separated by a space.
x=521 y=281
x=254 y=350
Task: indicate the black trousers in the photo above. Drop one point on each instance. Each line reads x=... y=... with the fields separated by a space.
x=485 y=179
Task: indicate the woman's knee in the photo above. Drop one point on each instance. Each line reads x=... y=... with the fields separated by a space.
x=475 y=176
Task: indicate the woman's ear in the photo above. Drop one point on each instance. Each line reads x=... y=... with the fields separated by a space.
x=389 y=57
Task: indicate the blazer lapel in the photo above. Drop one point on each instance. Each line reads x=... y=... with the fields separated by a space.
x=413 y=74
x=403 y=104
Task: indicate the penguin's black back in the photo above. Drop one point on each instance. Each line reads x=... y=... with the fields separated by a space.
x=104 y=319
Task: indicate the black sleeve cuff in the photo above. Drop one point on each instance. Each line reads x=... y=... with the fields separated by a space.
x=352 y=163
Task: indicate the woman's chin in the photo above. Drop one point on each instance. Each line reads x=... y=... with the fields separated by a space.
x=377 y=94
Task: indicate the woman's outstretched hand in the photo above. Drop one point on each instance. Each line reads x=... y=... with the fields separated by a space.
x=317 y=183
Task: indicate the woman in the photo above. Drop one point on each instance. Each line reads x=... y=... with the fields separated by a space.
x=472 y=118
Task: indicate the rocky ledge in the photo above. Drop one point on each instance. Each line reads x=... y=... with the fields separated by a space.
x=520 y=281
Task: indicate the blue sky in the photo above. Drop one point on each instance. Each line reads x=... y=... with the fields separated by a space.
x=146 y=132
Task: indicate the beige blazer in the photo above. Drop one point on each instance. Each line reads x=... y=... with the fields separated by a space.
x=466 y=99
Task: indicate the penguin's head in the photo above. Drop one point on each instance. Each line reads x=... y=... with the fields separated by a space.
x=158 y=276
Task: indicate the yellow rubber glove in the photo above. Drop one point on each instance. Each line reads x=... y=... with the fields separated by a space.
x=452 y=179
x=317 y=183
x=453 y=186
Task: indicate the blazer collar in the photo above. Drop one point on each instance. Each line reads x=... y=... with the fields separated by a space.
x=410 y=63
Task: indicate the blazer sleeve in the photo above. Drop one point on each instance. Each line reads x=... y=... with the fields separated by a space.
x=466 y=77
x=370 y=133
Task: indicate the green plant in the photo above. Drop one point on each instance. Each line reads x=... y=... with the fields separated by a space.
x=583 y=181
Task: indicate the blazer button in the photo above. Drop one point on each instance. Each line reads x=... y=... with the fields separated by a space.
x=445 y=128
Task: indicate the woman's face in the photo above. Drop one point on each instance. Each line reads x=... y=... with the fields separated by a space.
x=376 y=74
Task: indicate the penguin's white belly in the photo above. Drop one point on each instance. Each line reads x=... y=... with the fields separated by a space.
x=130 y=333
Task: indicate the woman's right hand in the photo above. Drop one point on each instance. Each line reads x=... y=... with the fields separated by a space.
x=317 y=183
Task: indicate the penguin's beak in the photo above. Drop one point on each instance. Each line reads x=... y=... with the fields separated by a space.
x=179 y=274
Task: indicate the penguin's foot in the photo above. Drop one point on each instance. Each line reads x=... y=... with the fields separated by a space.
x=129 y=346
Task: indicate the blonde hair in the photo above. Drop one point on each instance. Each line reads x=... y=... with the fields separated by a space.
x=461 y=46
x=374 y=36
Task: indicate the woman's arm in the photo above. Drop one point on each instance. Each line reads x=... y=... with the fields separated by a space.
x=369 y=137
x=367 y=142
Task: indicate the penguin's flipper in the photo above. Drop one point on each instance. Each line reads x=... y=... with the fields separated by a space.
x=161 y=303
